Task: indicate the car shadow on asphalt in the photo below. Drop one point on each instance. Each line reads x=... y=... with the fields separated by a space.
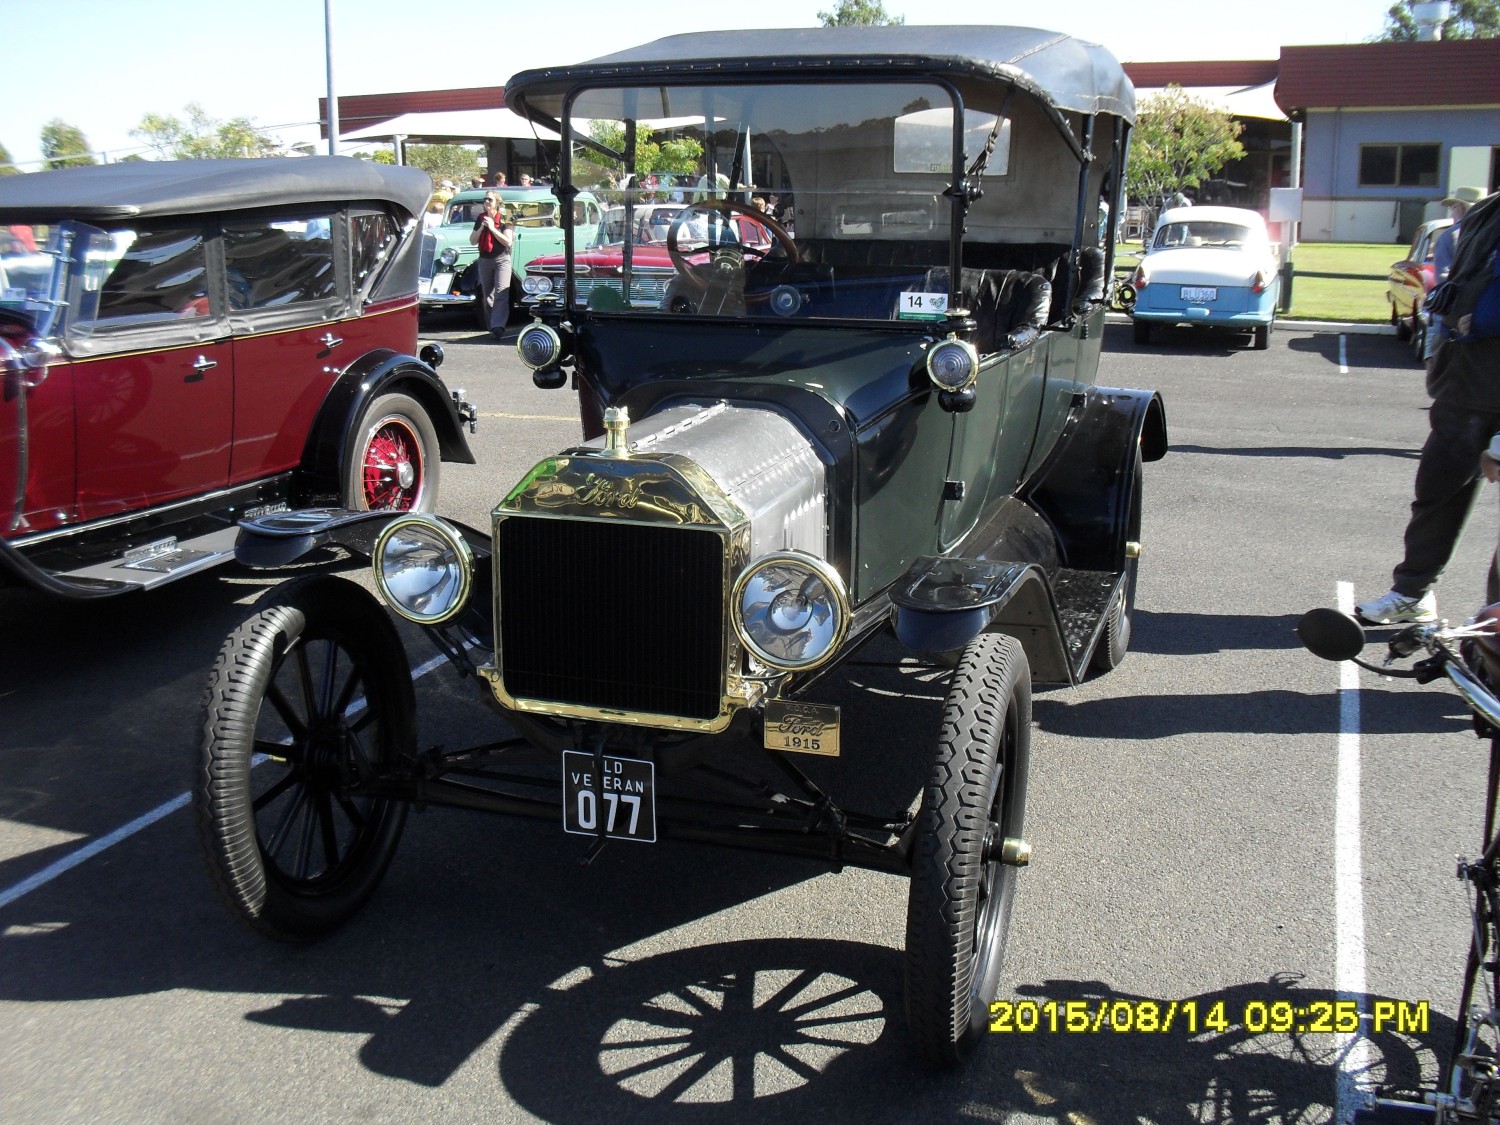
x=1367 y=352
x=1320 y=452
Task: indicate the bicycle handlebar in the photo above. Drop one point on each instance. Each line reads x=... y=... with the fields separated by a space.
x=1337 y=636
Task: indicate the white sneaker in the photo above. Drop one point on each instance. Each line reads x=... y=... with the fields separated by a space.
x=1397 y=609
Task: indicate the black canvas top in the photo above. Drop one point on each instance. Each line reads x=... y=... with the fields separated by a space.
x=1067 y=74
x=147 y=188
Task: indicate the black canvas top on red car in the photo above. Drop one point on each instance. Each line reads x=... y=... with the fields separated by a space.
x=147 y=188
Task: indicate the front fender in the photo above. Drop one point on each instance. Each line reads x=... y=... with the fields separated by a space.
x=940 y=604
x=375 y=373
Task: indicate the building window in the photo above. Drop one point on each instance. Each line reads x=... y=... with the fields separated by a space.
x=1399 y=165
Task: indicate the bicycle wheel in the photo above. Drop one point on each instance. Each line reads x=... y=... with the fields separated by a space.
x=1470 y=1073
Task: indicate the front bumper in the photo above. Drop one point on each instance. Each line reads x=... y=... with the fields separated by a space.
x=445 y=300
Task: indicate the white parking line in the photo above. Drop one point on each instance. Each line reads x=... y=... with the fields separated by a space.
x=1343 y=354
x=90 y=850
x=1353 y=1049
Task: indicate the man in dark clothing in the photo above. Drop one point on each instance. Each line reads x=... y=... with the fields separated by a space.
x=1464 y=381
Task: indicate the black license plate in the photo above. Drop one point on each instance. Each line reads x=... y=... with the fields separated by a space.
x=622 y=799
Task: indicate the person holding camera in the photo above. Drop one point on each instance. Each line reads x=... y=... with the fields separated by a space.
x=493 y=235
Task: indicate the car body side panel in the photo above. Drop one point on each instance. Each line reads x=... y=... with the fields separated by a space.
x=50 y=462
x=288 y=375
x=152 y=426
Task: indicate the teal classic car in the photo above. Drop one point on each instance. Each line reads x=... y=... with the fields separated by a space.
x=883 y=427
x=447 y=277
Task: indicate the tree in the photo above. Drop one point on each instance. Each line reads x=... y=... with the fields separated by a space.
x=201 y=137
x=64 y=145
x=1178 y=143
x=669 y=156
x=444 y=162
x=1470 y=19
x=6 y=167
x=859 y=13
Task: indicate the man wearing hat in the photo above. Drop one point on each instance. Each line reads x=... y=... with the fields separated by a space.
x=1458 y=204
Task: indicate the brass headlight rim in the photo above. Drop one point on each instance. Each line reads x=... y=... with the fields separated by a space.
x=969 y=350
x=460 y=547
x=831 y=579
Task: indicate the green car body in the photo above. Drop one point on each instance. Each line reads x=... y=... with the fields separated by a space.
x=450 y=280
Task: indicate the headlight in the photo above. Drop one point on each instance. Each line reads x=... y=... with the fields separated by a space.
x=953 y=365
x=449 y=256
x=790 y=610
x=533 y=283
x=424 y=569
x=539 y=346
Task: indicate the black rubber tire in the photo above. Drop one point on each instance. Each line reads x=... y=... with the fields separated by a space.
x=1114 y=643
x=393 y=421
x=1403 y=326
x=959 y=905
x=1419 y=342
x=1260 y=337
x=1140 y=332
x=293 y=846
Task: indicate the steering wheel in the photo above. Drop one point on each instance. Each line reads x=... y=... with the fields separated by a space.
x=699 y=276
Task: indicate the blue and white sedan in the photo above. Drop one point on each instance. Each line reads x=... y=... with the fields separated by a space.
x=1211 y=266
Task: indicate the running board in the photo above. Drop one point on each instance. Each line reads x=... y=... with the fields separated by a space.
x=165 y=560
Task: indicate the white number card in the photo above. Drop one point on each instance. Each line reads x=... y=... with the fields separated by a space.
x=922 y=306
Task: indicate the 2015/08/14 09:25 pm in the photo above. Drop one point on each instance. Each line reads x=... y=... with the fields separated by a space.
x=1154 y=1017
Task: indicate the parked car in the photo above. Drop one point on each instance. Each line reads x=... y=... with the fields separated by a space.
x=598 y=270
x=1410 y=280
x=185 y=344
x=449 y=277
x=1208 y=266
x=889 y=427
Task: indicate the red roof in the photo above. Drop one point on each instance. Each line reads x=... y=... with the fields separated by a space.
x=1224 y=72
x=359 y=111
x=1454 y=72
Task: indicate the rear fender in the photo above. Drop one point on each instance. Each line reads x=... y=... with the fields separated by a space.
x=1087 y=485
x=378 y=372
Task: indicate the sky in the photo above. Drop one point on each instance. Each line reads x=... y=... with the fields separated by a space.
x=102 y=65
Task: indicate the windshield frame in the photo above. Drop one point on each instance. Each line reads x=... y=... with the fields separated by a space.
x=953 y=189
x=46 y=311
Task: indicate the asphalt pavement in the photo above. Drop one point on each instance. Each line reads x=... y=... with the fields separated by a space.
x=1189 y=814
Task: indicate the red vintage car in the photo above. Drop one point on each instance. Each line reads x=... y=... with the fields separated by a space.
x=601 y=268
x=184 y=344
x=1410 y=280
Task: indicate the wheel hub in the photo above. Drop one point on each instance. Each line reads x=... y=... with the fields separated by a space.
x=1012 y=851
x=327 y=755
x=406 y=474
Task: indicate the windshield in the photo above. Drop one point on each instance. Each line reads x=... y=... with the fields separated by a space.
x=32 y=280
x=800 y=201
x=1211 y=234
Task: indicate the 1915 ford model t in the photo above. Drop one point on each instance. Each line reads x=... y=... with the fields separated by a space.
x=886 y=425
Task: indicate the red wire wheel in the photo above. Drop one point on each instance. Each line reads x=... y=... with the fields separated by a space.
x=394 y=461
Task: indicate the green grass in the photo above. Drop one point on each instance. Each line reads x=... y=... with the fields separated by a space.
x=1320 y=298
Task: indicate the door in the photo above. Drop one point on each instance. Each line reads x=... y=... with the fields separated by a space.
x=286 y=299
x=153 y=382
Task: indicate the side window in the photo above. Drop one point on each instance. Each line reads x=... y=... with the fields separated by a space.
x=142 y=277
x=273 y=263
x=371 y=239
